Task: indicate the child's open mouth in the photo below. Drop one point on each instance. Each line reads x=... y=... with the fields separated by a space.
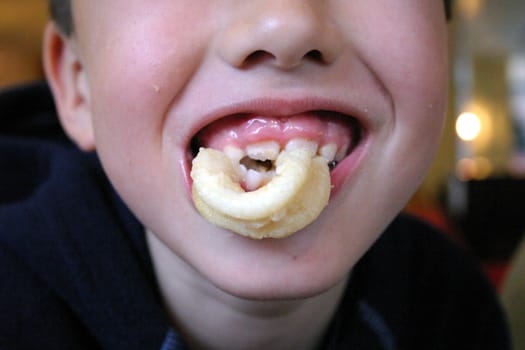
x=254 y=142
x=266 y=176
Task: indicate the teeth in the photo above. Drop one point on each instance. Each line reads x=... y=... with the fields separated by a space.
x=328 y=151
x=266 y=150
x=341 y=153
x=254 y=179
x=234 y=153
x=303 y=144
x=243 y=169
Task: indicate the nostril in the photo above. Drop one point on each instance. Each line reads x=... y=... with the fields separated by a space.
x=257 y=57
x=315 y=55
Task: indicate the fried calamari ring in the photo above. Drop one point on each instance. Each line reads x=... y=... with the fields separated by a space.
x=294 y=197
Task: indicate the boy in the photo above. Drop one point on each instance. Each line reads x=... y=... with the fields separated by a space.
x=146 y=84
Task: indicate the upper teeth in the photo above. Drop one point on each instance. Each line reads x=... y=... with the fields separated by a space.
x=266 y=150
x=311 y=146
x=270 y=150
x=328 y=151
x=234 y=153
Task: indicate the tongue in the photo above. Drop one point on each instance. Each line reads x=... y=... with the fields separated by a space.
x=242 y=130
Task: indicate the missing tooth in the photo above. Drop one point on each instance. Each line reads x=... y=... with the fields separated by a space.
x=332 y=164
x=257 y=165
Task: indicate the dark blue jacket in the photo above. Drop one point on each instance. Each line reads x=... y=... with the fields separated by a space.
x=75 y=271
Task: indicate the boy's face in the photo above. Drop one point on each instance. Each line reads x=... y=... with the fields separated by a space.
x=151 y=74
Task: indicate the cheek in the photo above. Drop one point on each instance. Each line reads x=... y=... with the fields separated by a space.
x=138 y=69
x=130 y=107
x=416 y=74
x=405 y=46
x=139 y=65
x=136 y=79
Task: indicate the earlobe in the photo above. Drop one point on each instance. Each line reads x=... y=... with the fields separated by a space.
x=68 y=81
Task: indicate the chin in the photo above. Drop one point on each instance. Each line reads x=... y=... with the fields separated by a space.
x=304 y=265
x=281 y=285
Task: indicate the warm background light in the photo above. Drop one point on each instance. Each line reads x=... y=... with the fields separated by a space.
x=468 y=126
x=477 y=168
x=469 y=8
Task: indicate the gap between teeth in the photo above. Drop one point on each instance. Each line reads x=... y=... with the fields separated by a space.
x=270 y=150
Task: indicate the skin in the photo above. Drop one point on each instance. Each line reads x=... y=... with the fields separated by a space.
x=138 y=79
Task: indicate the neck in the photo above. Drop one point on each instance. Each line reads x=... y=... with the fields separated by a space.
x=209 y=318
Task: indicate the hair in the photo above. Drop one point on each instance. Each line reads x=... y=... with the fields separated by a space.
x=61 y=13
x=448 y=9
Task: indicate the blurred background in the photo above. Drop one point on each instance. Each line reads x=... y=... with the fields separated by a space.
x=475 y=190
x=21 y=24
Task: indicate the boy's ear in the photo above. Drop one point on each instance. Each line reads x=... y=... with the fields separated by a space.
x=68 y=81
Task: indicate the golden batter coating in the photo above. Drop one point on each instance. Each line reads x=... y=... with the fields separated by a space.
x=291 y=200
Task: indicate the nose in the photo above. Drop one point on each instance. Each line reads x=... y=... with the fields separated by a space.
x=283 y=33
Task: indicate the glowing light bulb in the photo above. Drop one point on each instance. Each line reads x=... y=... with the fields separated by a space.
x=468 y=126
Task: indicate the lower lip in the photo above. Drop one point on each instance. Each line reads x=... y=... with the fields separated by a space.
x=343 y=171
